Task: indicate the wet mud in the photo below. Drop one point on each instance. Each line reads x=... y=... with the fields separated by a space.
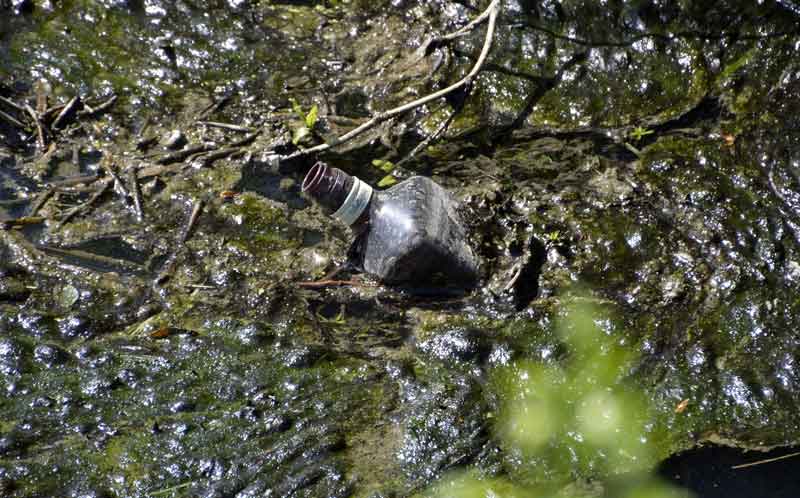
x=158 y=338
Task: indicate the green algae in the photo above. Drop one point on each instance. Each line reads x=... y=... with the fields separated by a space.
x=229 y=379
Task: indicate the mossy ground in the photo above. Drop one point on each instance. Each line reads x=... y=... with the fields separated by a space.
x=637 y=151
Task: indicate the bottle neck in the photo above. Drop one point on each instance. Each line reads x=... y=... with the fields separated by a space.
x=341 y=196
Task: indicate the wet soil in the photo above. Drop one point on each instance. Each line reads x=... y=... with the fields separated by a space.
x=647 y=154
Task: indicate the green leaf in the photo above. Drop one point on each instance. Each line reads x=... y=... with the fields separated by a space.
x=386 y=166
x=311 y=117
x=387 y=181
x=640 y=132
x=299 y=134
x=297 y=109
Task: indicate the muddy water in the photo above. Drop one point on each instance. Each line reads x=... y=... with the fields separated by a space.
x=648 y=154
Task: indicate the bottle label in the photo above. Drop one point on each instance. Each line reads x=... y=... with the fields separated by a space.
x=355 y=203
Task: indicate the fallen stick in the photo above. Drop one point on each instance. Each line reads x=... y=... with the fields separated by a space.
x=221 y=154
x=75 y=180
x=119 y=186
x=334 y=283
x=12 y=104
x=198 y=208
x=66 y=113
x=105 y=184
x=21 y=222
x=151 y=171
x=491 y=12
x=49 y=112
x=40 y=201
x=39 y=130
x=179 y=156
x=95 y=258
x=169 y=266
x=99 y=109
x=10 y=119
x=133 y=179
x=460 y=32
x=214 y=107
x=768 y=460
x=226 y=126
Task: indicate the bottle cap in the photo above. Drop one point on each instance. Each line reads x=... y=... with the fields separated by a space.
x=343 y=196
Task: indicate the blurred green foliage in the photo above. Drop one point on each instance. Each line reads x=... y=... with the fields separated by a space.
x=575 y=415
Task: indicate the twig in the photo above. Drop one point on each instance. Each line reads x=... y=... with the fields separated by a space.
x=67 y=112
x=145 y=127
x=151 y=171
x=133 y=181
x=221 y=154
x=12 y=120
x=430 y=138
x=214 y=107
x=74 y=180
x=122 y=191
x=12 y=104
x=226 y=126
x=41 y=199
x=514 y=277
x=169 y=266
x=50 y=111
x=768 y=460
x=201 y=286
x=198 y=208
x=460 y=32
x=21 y=222
x=104 y=185
x=99 y=109
x=95 y=258
x=491 y=12
x=38 y=123
x=179 y=156
x=43 y=90
x=334 y=283
x=170 y=490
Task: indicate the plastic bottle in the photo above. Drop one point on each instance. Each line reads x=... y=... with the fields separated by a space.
x=409 y=234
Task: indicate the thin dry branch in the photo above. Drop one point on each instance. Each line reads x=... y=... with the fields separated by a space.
x=41 y=142
x=12 y=104
x=12 y=120
x=40 y=201
x=169 y=267
x=465 y=30
x=67 y=113
x=101 y=108
x=320 y=284
x=136 y=192
x=490 y=13
x=104 y=185
x=187 y=231
x=226 y=126
x=429 y=139
x=768 y=460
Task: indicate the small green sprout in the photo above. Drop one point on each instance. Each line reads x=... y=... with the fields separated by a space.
x=638 y=133
x=388 y=167
x=309 y=120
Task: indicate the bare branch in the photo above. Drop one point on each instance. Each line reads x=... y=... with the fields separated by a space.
x=491 y=12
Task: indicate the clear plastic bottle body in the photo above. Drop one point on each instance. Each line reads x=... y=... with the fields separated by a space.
x=409 y=235
x=415 y=236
